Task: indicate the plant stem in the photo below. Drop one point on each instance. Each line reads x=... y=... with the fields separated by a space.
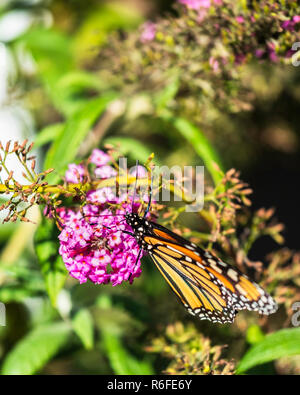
x=110 y=182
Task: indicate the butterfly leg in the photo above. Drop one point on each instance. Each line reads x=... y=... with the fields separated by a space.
x=137 y=259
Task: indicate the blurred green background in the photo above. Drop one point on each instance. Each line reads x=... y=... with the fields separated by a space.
x=54 y=58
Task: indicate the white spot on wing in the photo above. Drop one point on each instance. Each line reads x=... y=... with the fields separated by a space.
x=232 y=274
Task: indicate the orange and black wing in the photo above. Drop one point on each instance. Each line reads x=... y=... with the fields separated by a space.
x=207 y=286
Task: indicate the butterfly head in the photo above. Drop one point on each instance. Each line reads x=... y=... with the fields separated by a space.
x=139 y=225
x=133 y=219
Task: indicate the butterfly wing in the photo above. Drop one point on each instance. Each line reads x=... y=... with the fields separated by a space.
x=202 y=297
x=207 y=286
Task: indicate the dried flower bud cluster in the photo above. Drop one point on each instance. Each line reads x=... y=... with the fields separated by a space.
x=283 y=278
x=20 y=197
x=223 y=203
x=189 y=352
x=207 y=45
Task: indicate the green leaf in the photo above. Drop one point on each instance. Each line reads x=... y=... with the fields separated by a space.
x=48 y=134
x=33 y=351
x=75 y=89
x=64 y=149
x=107 y=17
x=254 y=334
x=201 y=144
x=83 y=327
x=130 y=146
x=53 y=56
x=53 y=268
x=120 y=359
x=283 y=343
x=51 y=49
x=6 y=230
x=14 y=294
x=112 y=326
x=166 y=95
x=78 y=80
x=23 y=287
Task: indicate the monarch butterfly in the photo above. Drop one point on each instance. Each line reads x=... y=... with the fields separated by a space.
x=208 y=287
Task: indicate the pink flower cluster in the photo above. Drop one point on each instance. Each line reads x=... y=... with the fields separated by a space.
x=201 y=6
x=270 y=51
x=198 y=4
x=148 y=32
x=290 y=24
x=75 y=173
x=93 y=244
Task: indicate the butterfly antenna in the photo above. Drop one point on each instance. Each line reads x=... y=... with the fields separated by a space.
x=150 y=198
x=135 y=184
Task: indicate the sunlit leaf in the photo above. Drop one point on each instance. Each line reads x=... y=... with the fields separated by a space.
x=52 y=266
x=48 y=134
x=13 y=294
x=119 y=357
x=25 y=284
x=112 y=327
x=32 y=352
x=254 y=334
x=166 y=95
x=79 y=80
x=283 y=343
x=103 y=19
x=83 y=326
x=52 y=53
x=196 y=137
x=64 y=149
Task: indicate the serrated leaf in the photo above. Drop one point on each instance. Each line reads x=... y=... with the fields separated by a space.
x=84 y=328
x=283 y=343
x=53 y=269
x=38 y=347
x=65 y=147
